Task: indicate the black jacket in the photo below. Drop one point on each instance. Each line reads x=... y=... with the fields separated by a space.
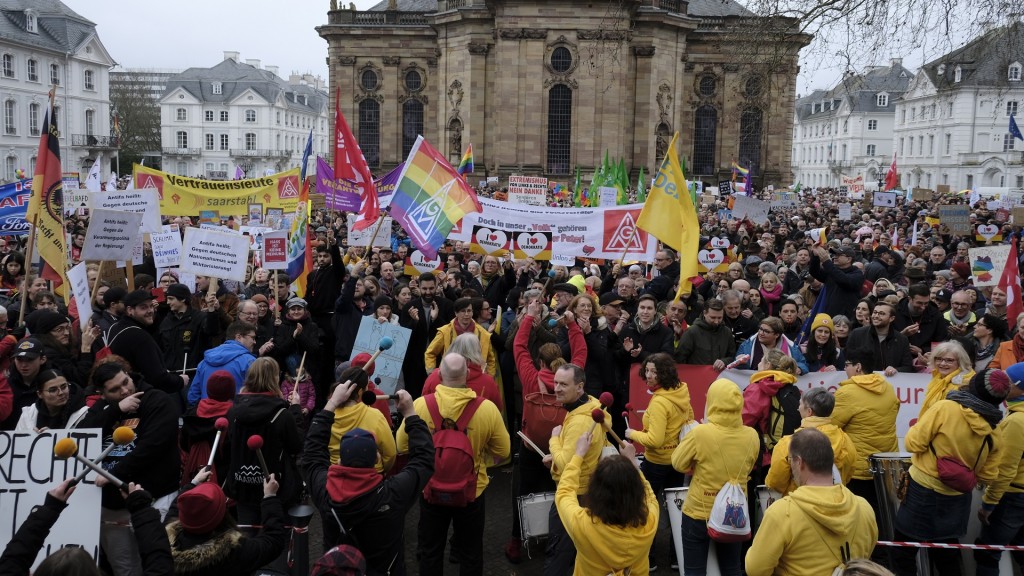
x=141 y=351
x=893 y=351
x=308 y=340
x=742 y=327
x=374 y=520
x=347 y=317
x=498 y=287
x=74 y=365
x=657 y=338
x=193 y=334
x=24 y=394
x=601 y=370
x=933 y=325
x=661 y=286
x=702 y=344
x=325 y=285
x=252 y=414
x=842 y=286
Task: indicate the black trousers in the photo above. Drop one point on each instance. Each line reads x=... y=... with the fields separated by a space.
x=469 y=537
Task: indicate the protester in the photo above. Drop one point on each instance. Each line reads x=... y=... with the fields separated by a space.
x=233 y=356
x=950 y=368
x=61 y=404
x=1012 y=351
x=130 y=339
x=462 y=324
x=708 y=341
x=354 y=413
x=769 y=337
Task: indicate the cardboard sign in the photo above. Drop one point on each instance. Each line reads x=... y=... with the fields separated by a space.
x=921 y=194
x=708 y=199
x=222 y=255
x=79 y=279
x=957 y=217
x=987 y=263
x=111 y=235
x=166 y=249
x=362 y=237
x=845 y=212
x=388 y=365
x=751 y=209
x=884 y=199
x=275 y=250
x=29 y=470
x=144 y=202
x=942 y=189
x=527 y=190
x=609 y=196
x=1018 y=215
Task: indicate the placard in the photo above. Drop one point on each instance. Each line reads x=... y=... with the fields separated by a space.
x=29 y=470
x=751 y=209
x=942 y=189
x=1018 y=215
x=362 y=237
x=708 y=199
x=609 y=196
x=166 y=249
x=957 y=217
x=78 y=277
x=921 y=195
x=222 y=255
x=388 y=365
x=987 y=263
x=417 y=263
x=144 y=202
x=725 y=188
x=784 y=201
x=884 y=199
x=275 y=250
x=845 y=212
x=111 y=234
x=530 y=190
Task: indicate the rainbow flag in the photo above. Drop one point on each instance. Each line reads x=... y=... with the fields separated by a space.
x=430 y=198
x=300 y=253
x=466 y=165
x=737 y=169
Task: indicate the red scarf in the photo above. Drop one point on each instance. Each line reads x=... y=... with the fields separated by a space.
x=459 y=331
x=210 y=408
x=1018 y=347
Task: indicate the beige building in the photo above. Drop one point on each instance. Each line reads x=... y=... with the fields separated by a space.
x=541 y=86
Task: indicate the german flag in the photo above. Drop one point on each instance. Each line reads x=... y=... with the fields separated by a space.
x=45 y=207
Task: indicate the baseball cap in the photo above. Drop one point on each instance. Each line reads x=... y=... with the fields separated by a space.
x=610 y=299
x=358 y=449
x=944 y=295
x=29 y=348
x=136 y=297
x=844 y=251
x=115 y=294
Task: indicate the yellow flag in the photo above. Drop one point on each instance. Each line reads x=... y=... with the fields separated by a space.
x=670 y=216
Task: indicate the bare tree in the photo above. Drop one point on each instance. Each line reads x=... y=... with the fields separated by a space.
x=138 y=115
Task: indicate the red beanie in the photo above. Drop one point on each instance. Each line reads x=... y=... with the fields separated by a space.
x=221 y=386
x=202 y=508
x=360 y=360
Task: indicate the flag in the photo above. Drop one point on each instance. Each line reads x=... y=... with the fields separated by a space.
x=300 y=254
x=112 y=183
x=818 y=308
x=92 y=181
x=1014 y=130
x=1009 y=282
x=239 y=174
x=577 y=189
x=45 y=207
x=913 y=239
x=892 y=178
x=430 y=198
x=895 y=236
x=737 y=169
x=306 y=153
x=350 y=164
x=974 y=198
x=818 y=235
x=748 y=183
x=670 y=216
x=117 y=124
x=466 y=165
x=641 y=188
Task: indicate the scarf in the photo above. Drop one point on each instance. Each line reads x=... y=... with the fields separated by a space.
x=990 y=413
x=210 y=408
x=1018 y=347
x=987 y=351
x=771 y=298
x=471 y=329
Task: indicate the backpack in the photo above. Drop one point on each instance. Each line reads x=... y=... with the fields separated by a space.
x=454 y=480
x=783 y=416
x=245 y=476
x=106 y=351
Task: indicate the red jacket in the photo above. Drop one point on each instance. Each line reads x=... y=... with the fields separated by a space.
x=476 y=380
x=528 y=372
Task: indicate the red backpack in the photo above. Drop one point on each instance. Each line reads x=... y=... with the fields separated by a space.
x=454 y=480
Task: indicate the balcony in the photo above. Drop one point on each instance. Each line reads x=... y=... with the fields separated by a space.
x=379 y=18
x=977 y=158
x=93 y=141
x=256 y=153
x=838 y=165
x=182 y=152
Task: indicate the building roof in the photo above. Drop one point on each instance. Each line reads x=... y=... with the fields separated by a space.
x=59 y=28
x=860 y=90
x=236 y=78
x=696 y=7
x=407 y=6
x=983 y=61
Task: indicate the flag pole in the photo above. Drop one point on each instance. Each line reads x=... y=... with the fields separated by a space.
x=628 y=244
x=28 y=260
x=380 y=222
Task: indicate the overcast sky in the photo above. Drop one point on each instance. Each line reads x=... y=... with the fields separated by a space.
x=189 y=33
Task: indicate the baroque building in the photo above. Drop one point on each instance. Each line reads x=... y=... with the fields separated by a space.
x=540 y=87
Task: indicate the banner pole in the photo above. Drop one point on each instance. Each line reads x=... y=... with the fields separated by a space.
x=28 y=266
x=628 y=244
x=369 y=247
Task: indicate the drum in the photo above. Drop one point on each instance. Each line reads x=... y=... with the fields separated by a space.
x=890 y=472
x=533 y=514
x=765 y=498
x=674 y=499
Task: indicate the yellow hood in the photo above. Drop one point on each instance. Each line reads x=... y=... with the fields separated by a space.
x=454 y=399
x=832 y=507
x=873 y=383
x=777 y=375
x=725 y=402
x=679 y=397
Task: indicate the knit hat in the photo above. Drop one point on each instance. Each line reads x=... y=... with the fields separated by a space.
x=382 y=301
x=358 y=449
x=360 y=360
x=822 y=321
x=1016 y=375
x=635 y=268
x=257 y=298
x=202 y=508
x=342 y=560
x=990 y=385
x=962 y=269
x=179 y=291
x=115 y=294
x=42 y=321
x=220 y=386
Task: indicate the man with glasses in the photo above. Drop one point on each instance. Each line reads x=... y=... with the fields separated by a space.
x=960 y=317
x=20 y=381
x=886 y=349
x=668 y=275
x=843 y=281
x=234 y=356
x=130 y=339
x=920 y=320
x=184 y=330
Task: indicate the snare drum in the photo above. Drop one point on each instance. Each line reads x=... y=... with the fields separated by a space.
x=533 y=514
x=889 y=470
x=674 y=499
x=765 y=498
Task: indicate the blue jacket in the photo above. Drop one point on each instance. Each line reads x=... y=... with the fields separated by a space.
x=230 y=356
x=785 y=345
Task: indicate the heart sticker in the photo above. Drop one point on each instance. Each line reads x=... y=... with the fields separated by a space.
x=710 y=258
x=422 y=265
x=492 y=241
x=720 y=243
x=532 y=244
x=988 y=231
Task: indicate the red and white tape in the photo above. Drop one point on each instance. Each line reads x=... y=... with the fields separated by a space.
x=952 y=546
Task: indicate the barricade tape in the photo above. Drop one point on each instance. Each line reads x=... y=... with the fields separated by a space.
x=1006 y=548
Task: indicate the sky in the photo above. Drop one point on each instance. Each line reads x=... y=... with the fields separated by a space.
x=197 y=33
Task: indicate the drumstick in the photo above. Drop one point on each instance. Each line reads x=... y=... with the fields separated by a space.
x=531 y=444
x=598 y=415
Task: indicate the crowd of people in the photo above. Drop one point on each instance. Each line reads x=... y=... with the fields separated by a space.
x=500 y=347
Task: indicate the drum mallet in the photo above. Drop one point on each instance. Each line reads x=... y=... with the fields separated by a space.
x=221 y=424
x=66 y=448
x=531 y=444
x=122 y=435
x=255 y=443
x=384 y=344
x=598 y=416
x=370 y=398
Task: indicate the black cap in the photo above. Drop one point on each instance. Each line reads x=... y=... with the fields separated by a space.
x=179 y=291
x=115 y=294
x=944 y=295
x=610 y=299
x=566 y=287
x=29 y=348
x=136 y=297
x=844 y=251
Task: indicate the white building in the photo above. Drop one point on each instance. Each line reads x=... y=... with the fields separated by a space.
x=240 y=114
x=952 y=124
x=44 y=43
x=847 y=130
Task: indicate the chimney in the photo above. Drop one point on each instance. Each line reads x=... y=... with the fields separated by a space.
x=896 y=62
x=294 y=79
x=231 y=55
x=271 y=69
x=254 y=63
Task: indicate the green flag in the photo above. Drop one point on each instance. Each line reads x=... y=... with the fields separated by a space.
x=641 y=189
x=577 y=190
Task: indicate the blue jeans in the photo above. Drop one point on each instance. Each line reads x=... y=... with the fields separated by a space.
x=695 y=551
x=1004 y=527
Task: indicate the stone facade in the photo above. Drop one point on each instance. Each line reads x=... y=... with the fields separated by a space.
x=487 y=75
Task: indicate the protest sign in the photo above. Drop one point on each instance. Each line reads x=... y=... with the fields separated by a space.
x=362 y=237
x=854 y=186
x=76 y=202
x=942 y=188
x=708 y=199
x=783 y=201
x=275 y=250
x=183 y=196
x=609 y=196
x=921 y=195
x=111 y=234
x=166 y=249
x=79 y=279
x=144 y=202
x=747 y=208
x=417 y=263
x=536 y=245
x=255 y=214
x=957 y=217
x=845 y=212
x=388 y=366
x=987 y=263
x=527 y=190
x=214 y=253
x=28 y=469
x=489 y=241
x=885 y=199
x=724 y=188
x=1018 y=215
x=13 y=204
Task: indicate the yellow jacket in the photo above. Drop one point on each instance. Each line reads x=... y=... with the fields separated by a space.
x=443 y=340
x=799 y=532
x=720 y=450
x=953 y=431
x=844 y=454
x=663 y=419
x=563 y=447
x=486 y=429
x=1011 y=460
x=939 y=386
x=602 y=548
x=360 y=415
x=866 y=409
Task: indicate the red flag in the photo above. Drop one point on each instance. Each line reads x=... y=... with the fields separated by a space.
x=350 y=164
x=1009 y=283
x=45 y=208
x=892 y=178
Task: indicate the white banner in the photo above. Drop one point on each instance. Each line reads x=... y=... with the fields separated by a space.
x=79 y=279
x=166 y=249
x=213 y=253
x=144 y=202
x=111 y=234
x=362 y=237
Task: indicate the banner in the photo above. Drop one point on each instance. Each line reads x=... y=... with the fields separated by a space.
x=339 y=194
x=987 y=264
x=13 y=204
x=854 y=186
x=527 y=190
x=603 y=232
x=183 y=196
x=29 y=469
x=213 y=253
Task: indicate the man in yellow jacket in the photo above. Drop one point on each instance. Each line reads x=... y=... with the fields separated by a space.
x=462 y=324
x=817 y=527
x=579 y=406
x=490 y=441
x=816 y=410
